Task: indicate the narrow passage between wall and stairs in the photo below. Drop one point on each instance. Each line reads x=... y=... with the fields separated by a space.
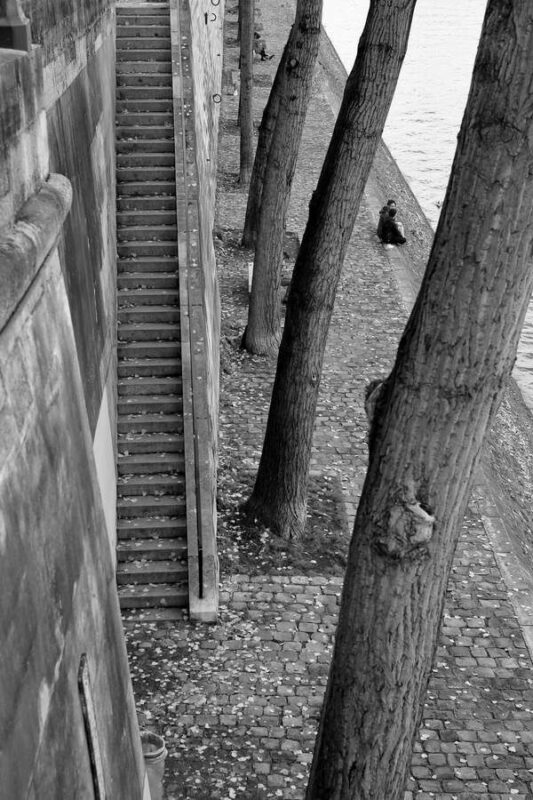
x=152 y=535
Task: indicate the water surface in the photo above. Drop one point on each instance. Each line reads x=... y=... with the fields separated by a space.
x=428 y=106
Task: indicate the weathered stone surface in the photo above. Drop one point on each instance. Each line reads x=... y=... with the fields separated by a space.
x=81 y=139
x=24 y=153
x=58 y=586
x=26 y=245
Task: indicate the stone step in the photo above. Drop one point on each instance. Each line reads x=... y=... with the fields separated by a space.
x=153 y=44
x=155 y=484
x=149 y=463
x=142 y=11
x=136 y=119
x=147 y=264
x=136 y=8
x=148 y=332
x=144 y=146
x=143 y=79
x=149 y=350
x=150 y=386
x=144 y=189
x=140 y=249
x=143 y=55
x=150 y=280
x=132 y=443
x=146 y=217
x=140 y=423
x=140 y=8
x=155 y=572
x=150 y=596
x=147 y=233
x=132 y=105
x=144 y=93
x=133 y=616
x=149 y=314
x=130 y=66
x=150 y=528
x=148 y=174
x=143 y=29
x=144 y=133
x=149 y=367
x=134 y=245
x=141 y=158
x=148 y=23
x=152 y=550
x=146 y=404
x=150 y=506
x=127 y=298
x=136 y=241
x=143 y=202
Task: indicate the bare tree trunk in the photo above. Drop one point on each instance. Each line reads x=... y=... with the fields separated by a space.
x=280 y=492
x=246 y=125
x=266 y=131
x=453 y=363
x=263 y=332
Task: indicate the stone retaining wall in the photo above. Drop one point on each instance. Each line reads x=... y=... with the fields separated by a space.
x=67 y=717
x=197 y=64
x=59 y=600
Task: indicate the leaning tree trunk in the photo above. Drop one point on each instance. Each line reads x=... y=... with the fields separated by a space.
x=280 y=491
x=266 y=131
x=263 y=331
x=246 y=126
x=430 y=418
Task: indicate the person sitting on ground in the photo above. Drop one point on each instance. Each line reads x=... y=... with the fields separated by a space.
x=390 y=231
x=397 y=221
x=392 y=204
x=260 y=48
x=383 y=214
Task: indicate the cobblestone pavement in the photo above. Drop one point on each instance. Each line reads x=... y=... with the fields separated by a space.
x=238 y=702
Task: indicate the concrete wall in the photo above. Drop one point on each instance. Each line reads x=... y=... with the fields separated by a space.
x=206 y=66
x=57 y=409
x=197 y=54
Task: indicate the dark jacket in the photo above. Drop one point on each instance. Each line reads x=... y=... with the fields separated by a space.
x=390 y=233
x=383 y=215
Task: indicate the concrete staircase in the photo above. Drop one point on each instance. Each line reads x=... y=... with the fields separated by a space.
x=152 y=534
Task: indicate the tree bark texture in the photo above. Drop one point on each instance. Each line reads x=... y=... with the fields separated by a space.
x=263 y=331
x=280 y=492
x=266 y=131
x=246 y=125
x=430 y=419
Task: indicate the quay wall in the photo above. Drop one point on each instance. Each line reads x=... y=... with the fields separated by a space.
x=67 y=716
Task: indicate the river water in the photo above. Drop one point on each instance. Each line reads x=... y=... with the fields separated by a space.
x=428 y=106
